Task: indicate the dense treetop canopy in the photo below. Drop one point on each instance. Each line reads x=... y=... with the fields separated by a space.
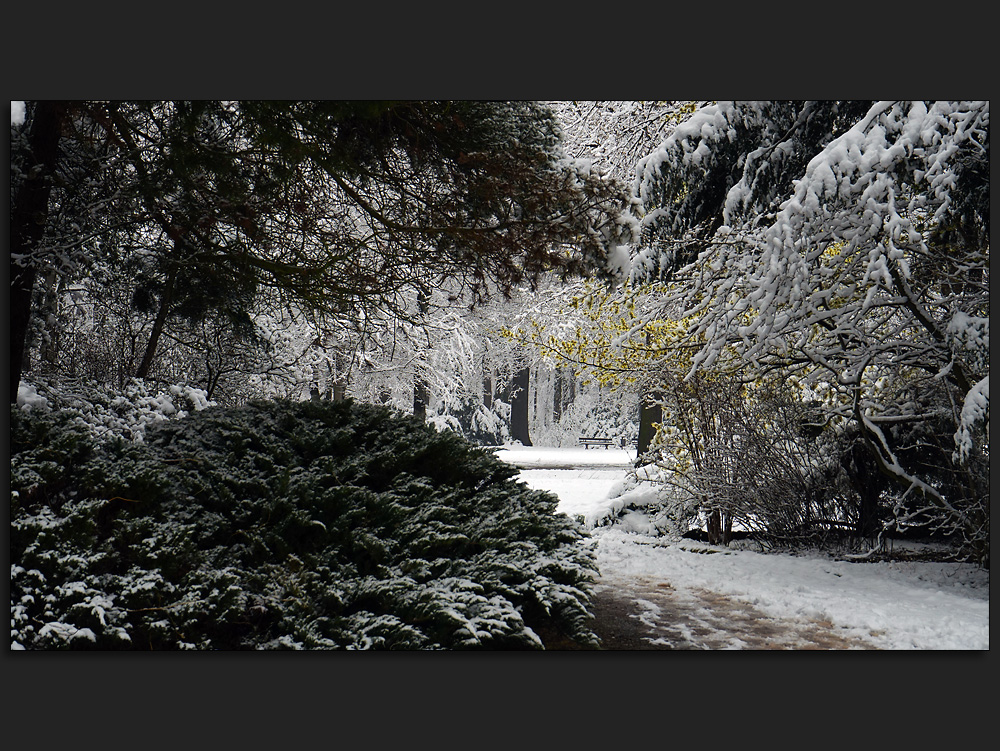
x=341 y=208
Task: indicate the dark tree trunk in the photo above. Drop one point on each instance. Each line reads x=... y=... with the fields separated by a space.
x=650 y=413
x=714 y=527
x=869 y=523
x=519 y=406
x=421 y=392
x=161 y=318
x=867 y=481
x=533 y=409
x=27 y=225
x=211 y=381
x=49 y=312
x=557 y=396
x=421 y=397
x=862 y=470
x=720 y=528
x=22 y=280
x=487 y=392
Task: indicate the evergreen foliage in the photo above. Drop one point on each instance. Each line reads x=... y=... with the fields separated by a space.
x=340 y=209
x=282 y=525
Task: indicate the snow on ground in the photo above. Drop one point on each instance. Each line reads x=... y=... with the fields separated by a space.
x=573 y=458
x=582 y=478
x=892 y=605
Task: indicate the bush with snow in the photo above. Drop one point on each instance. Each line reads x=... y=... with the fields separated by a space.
x=843 y=247
x=645 y=504
x=108 y=413
x=284 y=525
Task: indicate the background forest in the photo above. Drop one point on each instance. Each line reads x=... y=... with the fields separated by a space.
x=783 y=306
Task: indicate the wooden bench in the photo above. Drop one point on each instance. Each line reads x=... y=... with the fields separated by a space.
x=588 y=442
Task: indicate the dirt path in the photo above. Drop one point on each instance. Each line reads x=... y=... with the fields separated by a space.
x=642 y=614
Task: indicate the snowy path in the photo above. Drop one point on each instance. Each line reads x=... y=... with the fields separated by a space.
x=644 y=614
x=885 y=605
x=649 y=610
x=655 y=594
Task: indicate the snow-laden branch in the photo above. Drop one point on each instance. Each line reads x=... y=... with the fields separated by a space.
x=850 y=237
x=975 y=411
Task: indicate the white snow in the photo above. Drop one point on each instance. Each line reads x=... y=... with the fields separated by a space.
x=892 y=605
x=542 y=457
x=28 y=397
x=65 y=632
x=975 y=409
x=16 y=113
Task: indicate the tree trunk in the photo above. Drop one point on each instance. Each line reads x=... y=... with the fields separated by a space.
x=557 y=379
x=212 y=378
x=487 y=392
x=340 y=378
x=650 y=413
x=27 y=226
x=161 y=318
x=421 y=397
x=714 y=527
x=49 y=313
x=519 y=406
x=867 y=484
x=421 y=392
x=719 y=528
x=533 y=397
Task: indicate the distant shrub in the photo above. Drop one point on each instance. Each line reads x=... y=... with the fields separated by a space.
x=283 y=525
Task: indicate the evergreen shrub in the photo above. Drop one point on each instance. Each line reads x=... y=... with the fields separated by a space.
x=285 y=525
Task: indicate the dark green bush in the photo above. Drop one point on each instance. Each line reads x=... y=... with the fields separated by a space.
x=285 y=525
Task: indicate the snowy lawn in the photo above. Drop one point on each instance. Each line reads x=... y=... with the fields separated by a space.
x=562 y=458
x=892 y=605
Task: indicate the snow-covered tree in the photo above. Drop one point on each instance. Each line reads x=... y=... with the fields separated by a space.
x=844 y=246
x=58 y=195
x=616 y=135
x=337 y=206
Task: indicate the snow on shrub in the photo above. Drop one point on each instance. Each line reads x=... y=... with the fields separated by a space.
x=283 y=525
x=113 y=414
x=645 y=504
